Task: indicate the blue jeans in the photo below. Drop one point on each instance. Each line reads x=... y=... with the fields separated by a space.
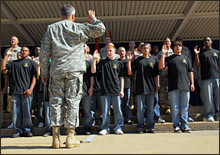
x=22 y=113
x=156 y=107
x=86 y=104
x=96 y=104
x=145 y=102
x=106 y=102
x=210 y=90
x=47 y=116
x=126 y=104
x=179 y=101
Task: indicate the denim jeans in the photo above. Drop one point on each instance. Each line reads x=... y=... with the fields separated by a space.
x=126 y=104
x=47 y=116
x=86 y=104
x=96 y=104
x=145 y=102
x=179 y=101
x=40 y=107
x=106 y=102
x=156 y=107
x=210 y=90
x=22 y=113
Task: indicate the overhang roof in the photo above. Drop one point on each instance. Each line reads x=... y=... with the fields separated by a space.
x=128 y=20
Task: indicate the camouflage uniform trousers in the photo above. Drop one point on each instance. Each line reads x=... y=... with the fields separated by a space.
x=65 y=92
x=163 y=92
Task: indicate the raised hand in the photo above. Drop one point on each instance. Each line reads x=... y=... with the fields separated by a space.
x=96 y=55
x=195 y=50
x=136 y=52
x=129 y=56
x=164 y=49
x=91 y=14
x=10 y=51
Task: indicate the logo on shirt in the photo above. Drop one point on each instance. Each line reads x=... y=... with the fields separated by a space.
x=215 y=54
x=151 y=64
x=25 y=64
x=114 y=66
x=184 y=61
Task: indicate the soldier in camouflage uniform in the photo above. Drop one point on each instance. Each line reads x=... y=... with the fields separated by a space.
x=163 y=91
x=64 y=42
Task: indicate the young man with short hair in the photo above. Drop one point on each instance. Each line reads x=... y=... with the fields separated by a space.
x=23 y=78
x=112 y=88
x=180 y=83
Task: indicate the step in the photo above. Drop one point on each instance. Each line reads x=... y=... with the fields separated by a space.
x=165 y=127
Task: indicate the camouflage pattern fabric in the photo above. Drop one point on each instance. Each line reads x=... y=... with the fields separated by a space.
x=65 y=92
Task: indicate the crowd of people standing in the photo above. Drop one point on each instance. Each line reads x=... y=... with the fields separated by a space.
x=63 y=76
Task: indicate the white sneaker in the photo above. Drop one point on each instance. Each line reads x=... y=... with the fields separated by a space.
x=41 y=125
x=103 y=132
x=119 y=132
x=11 y=126
x=210 y=119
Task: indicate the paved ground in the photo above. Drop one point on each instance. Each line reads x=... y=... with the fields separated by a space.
x=197 y=142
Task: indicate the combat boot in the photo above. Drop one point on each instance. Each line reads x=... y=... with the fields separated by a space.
x=70 y=139
x=56 y=137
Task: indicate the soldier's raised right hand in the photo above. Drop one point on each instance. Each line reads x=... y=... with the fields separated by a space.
x=91 y=14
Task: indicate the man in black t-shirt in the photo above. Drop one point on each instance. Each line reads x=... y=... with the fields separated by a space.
x=208 y=59
x=147 y=85
x=88 y=82
x=23 y=78
x=112 y=88
x=180 y=82
x=126 y=100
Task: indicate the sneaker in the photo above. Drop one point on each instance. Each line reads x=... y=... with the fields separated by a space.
x=130 y=122
x=210 y=119
x=119 y=132
x=29 y=134
x=160 y=120
x=187 y=130
x=103 y=132
x=41 y=125
x=46 y=134
x=177 y=130
x=190 y=119
x=11 y=126
x=18 y=134
x=151 y=130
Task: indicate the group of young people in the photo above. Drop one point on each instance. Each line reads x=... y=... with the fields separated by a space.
x=105 y=79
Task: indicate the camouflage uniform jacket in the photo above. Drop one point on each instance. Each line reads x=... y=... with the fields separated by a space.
x=64 y=42
x=14 y=54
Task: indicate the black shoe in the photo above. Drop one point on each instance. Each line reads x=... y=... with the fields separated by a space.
x=29 y=134
x=130 y=122
x=87 y=130
x=16 y=135
x=151 y=130
x=187 y=130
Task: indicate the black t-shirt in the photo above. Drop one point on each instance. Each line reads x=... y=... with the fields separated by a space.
x=110 y=72
x=186 y=52
x=86 y=78
x=21 y=73
x=147 y=69
x=209 y=61
x=179 y=67
x=127 y=78
x=97 y=83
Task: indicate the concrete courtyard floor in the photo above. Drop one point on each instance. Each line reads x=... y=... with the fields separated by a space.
x=197 y=142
